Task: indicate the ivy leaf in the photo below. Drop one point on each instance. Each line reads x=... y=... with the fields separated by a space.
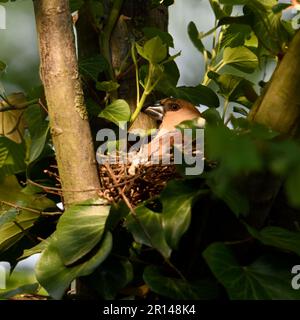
x=277 y=237
x=111 y=276
x=12 y=124
x=55 y=277
x=148 y=229
x=2 y=66
x=12 y=231
x=117 y=112
x=76 y=5
x=92 y=66
x=266 y=278
x=178 y=289
x=39 y=129
x=12 y=157
x=177 y=200
x=235 y=88
x=154 y=50
x=151 y=32
x=79 y=229
x=235 y=35
x=196 y=95
x=107 y=86
x=240 y=58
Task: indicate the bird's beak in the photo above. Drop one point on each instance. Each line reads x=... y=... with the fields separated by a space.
x=155 y=111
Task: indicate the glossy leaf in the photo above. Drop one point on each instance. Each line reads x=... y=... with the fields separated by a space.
x=197 y=95
x=151 y=32
x=92 y=66
x=40 y=247
x=13 y=157
x=79 y=229
x=154 y=50
x=179 y=289
x=266 y=278
x=12 y=124
x=277 y=237
x=55 y=277
x=240 y=58
x=235 y=88
x=147 y=229
x=111 y=276
x=117 y=112
x=12 y=231
x=177 y=200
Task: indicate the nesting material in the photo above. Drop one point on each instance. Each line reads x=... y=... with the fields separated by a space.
x=147 y=182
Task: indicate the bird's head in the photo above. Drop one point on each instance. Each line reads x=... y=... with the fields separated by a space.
x=171 y=111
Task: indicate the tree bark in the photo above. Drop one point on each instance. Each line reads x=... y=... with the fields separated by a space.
x=69 y=124
x=279 y=108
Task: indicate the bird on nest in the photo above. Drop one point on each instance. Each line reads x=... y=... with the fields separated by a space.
x=170 y=112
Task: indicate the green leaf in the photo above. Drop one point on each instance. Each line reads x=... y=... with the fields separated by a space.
x=292 y=187
x=233 y=2
x=235 y=35
x=240 y=58
x=218 y=11
x=194 y=36
x=154 y=50
x=26 y=288
x=76 y=5
x=177 y=200
x=240 y=111
x=111 y=276
x=151 y=32
x=39 y=128
x=147 y=229
x=8 y=216
x=36 y=249
x=266 y=278
x=2 y=66
x=277 y=237
x=12 y=231
x=179 y=289
x=107 y=86
x=55 y=277
x=92 y=66
x=12 y=157
x=196 y=95
x=79 y=229
x=280 y=7
x=234 y=88
x=117 y=112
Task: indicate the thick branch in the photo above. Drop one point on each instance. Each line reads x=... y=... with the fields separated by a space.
x=279 y=108
x=68 y=117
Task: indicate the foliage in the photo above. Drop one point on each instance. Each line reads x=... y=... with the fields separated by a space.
x=197 y=239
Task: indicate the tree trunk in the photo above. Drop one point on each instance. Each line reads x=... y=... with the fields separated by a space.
x=68 y=117
x=280 y=107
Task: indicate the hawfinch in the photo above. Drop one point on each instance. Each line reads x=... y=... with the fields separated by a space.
x=170 y=112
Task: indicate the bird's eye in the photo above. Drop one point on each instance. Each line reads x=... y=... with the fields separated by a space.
x=174 y=107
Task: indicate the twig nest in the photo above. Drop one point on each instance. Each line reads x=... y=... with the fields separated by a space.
x=147 y=181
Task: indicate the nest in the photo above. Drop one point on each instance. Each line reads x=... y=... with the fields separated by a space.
x=118 y=183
